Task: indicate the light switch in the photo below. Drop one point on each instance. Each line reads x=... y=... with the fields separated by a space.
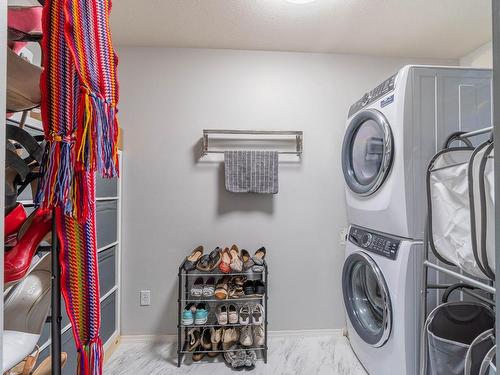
x=145 y=297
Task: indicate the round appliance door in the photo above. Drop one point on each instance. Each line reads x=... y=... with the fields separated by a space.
x=367 y=152
x=367 y=299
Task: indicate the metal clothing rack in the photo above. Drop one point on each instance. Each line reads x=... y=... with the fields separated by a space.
x=298 y=134
x=186 y=279
x=464 y=280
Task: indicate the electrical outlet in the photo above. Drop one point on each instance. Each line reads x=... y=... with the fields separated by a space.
x=145 y=297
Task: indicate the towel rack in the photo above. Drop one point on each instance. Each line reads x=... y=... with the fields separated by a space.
x=298 y=134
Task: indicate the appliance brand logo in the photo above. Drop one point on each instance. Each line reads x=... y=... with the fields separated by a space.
x=387 y=101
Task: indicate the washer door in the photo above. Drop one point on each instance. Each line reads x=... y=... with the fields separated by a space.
x=367 y=152
x=367 y=299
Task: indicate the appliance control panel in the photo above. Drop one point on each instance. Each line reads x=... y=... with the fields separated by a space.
x=374 y=242
x=384 y=88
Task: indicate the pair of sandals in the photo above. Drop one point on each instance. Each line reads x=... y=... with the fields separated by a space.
x=202 y=262
x=255 y=263
x=231 y=260
x=230 y=287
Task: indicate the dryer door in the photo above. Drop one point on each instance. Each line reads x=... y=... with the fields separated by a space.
x=367 y=152
x=367 y=299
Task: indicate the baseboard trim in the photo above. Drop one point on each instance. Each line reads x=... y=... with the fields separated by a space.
x=168 y=339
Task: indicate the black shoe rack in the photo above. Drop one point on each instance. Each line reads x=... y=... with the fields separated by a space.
x=186 y=280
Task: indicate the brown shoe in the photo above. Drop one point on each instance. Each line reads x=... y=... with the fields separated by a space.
x=222 y=288
x=45 y=367
x=23 y=83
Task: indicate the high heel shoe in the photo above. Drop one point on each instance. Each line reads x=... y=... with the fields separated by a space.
x=26 y=307
x=13 y=221
x=17 y=259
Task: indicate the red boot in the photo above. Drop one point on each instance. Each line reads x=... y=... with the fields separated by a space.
x=17 y=259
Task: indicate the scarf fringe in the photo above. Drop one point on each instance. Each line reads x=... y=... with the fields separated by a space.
x=94 y=147
x=90 y=358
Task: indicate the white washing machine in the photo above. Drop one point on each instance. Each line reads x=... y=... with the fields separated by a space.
x=392 y=133
x=381 y=283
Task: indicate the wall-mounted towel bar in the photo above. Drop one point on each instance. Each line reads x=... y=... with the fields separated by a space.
x=298 y=134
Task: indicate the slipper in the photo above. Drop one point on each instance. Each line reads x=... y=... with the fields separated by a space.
x=209 y=287
x=193 y=339
x=245 y=315
x=232 y=314
x=222 y=288
x=214 y=259
x=225 y=261
x=236 y=263
x=259 y=288
x=191 y=260
x=203 y=264
x=222 y=315
x=247 y=260
x=258 y=314
x=197 y=288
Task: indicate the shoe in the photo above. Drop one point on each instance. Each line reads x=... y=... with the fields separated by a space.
x=17 y=259
x=235 y=291
x=193 y=339
x=215 y=339
x=224 y=265
x=258 y=259
x=198 y=355
x=209 y=287
x=259 y=288
x=249 y=288
x=230 y=337
x=234 y=359
x=250 y=359
x=12 y=222
x=246 y=338
x=197 y=288
x=203 y=264
x=188 y=315
x=191 y=260
x=245 y=315
x=205 y=340
x=259 y=336
x=214 y=259
x=258 y=314
x=222 y=288
x=201 y=315
x=236 y=263
x=23 y=83
x=27 y=365
x=232 y=314
x=247 y=260
x=26 y=306
x=222 y=316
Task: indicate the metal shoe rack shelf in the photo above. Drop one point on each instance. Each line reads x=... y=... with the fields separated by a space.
x=186 y=280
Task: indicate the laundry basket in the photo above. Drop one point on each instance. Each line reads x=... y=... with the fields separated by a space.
x=482 y=206
x=450 y=329
x=449 y=206
x=479 y=355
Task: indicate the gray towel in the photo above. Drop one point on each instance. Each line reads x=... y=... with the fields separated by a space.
x=251 y=171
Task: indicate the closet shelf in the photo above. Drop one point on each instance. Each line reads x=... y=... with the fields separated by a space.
x=215 y=324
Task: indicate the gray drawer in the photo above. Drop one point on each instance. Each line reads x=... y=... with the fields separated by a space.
x=46 y=328
x=107 y=270
x=106 y=222
x=106 y=187
x=68 y=346
x=108 y=317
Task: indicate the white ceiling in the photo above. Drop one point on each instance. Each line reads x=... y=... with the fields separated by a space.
x=410 y=28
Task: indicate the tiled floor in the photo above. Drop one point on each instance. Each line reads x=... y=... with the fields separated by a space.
x=288 y=355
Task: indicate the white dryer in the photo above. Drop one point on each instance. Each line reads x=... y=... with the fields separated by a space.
x=381 y=283
x=392 y=133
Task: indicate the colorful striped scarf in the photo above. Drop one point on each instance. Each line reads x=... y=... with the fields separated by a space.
x=79 y=106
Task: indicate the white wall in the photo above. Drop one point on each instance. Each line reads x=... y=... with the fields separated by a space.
x=172 y=202
x=479 y=58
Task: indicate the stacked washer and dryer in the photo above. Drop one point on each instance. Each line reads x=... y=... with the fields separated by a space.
x=392 y=133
